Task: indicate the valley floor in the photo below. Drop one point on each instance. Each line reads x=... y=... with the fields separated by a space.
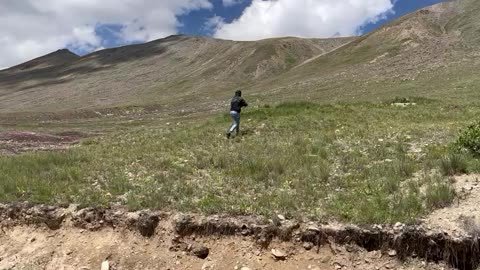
x=362 y=163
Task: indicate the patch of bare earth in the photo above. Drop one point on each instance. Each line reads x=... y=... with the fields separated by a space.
x=12 y=143
x=73 y=248
x=463 y=216
x=45 y=237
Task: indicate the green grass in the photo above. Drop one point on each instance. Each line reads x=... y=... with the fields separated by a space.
x=351 y=162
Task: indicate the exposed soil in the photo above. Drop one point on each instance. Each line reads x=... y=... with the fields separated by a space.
x=45 y=237
x=74 y=248
x=463 y=216
x=21 y=142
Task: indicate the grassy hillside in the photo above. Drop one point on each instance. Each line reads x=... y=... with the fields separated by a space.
x=299 y=159
x=431 y=53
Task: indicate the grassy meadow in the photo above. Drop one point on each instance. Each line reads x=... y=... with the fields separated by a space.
x=361 y=163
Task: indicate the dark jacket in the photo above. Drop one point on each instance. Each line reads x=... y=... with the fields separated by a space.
x=237 y=104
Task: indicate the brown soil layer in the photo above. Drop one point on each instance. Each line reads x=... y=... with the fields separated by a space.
x=247 y=239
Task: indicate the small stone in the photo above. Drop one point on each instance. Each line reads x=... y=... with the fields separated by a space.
x=33 y=239
x=308 y=245
x=279 y=254
x=392 y=253
x=105 y=265
x=313 y=228
x=245 y=268
x=281 y=217
x=201 y=252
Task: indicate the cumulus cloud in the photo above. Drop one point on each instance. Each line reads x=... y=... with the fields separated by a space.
x=29 y=28
x=303 y=18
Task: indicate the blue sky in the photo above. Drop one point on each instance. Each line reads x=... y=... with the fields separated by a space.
x=31 y=28
x=402 y=7
x=193 y=22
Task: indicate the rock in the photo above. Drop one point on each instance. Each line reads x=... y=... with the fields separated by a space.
x=398 y=227
x=147 y=224
x=279 y=254
x=199 y=251
x=245 y=268
x=308 y=245
x=281 y=217
x=392 y=253
x=105 y=265
x=313 y=228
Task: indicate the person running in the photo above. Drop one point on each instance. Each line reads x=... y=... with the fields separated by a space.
x=235 y=109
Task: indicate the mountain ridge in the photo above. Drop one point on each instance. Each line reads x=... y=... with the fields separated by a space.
x=198 y=73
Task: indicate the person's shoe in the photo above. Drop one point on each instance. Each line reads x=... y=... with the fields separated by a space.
x=228 y=135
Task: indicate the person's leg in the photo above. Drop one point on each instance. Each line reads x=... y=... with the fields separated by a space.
x=237 y=120
x=234 y=125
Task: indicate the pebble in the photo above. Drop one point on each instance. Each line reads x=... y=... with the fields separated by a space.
x=308 y=245
x=201 y=252
x=279 y=254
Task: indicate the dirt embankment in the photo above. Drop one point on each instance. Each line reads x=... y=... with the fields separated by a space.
x=45 y=237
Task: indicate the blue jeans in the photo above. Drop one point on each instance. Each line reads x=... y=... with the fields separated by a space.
x=236 y=122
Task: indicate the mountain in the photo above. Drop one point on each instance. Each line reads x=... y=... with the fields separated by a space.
x=58 y=58
x=432 y=52
x=160 y=72
x=428 y=53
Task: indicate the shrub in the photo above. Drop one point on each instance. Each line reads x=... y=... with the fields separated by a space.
x=439 y=194
x=470 y=139
x=453 y=164
x=400 y=100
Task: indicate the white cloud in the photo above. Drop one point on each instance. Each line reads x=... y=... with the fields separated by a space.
x=30 y=28
x=213 y=24
x=229 y=3
x=303 y=18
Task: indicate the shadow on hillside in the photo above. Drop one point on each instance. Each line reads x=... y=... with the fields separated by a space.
x=93 y=62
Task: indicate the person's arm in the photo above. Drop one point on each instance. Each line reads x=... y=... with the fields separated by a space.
x=243 y=103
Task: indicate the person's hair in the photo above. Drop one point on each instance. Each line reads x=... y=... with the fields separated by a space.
x=238 y=93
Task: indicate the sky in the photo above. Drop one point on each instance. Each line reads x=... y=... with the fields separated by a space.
x=32 y=28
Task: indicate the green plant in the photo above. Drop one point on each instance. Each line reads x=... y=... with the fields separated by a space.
x=470 y=139
x=439 y=193
x=453 y=164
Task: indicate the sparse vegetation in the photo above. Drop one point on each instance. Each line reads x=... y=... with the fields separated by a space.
x=454 y=164
x=439 y=193
x=299 y=159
